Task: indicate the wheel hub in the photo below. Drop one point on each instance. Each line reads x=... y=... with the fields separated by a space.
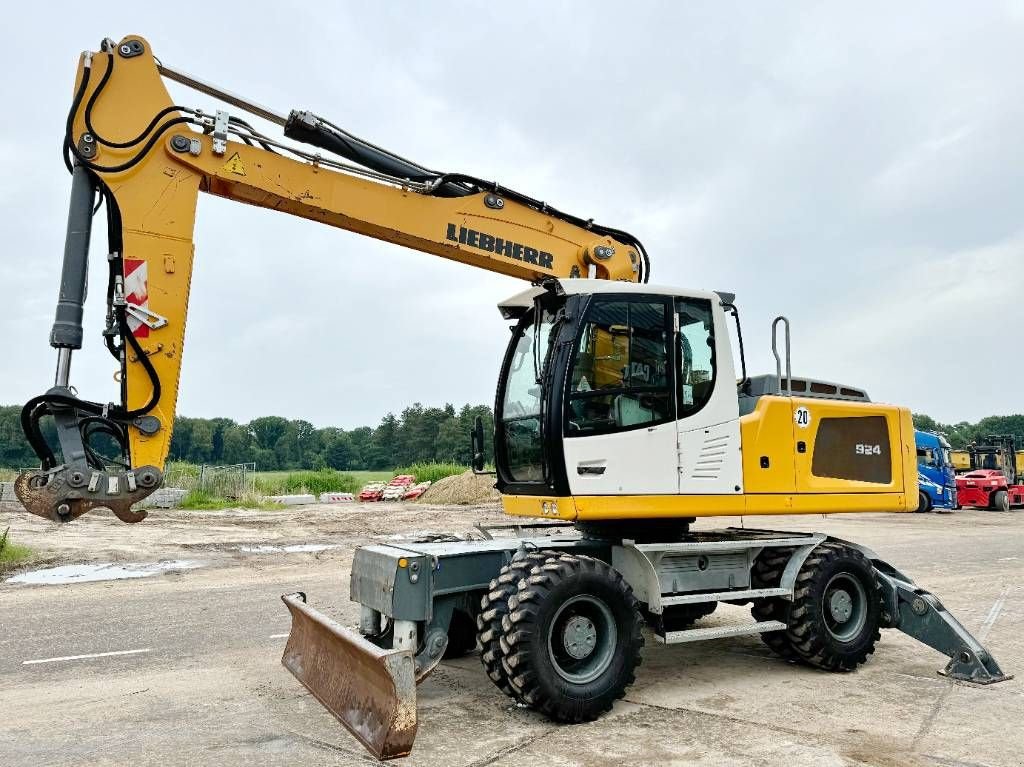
x=844 y=608
x=841 y=606
x=579 y=637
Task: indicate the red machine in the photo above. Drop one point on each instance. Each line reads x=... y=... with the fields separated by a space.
x=992 y=481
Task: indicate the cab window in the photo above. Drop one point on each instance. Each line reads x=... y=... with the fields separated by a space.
x=620 y=375
x=926 y=457
x=695 y=360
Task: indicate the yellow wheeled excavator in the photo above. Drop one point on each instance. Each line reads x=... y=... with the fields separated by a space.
x=620 y=419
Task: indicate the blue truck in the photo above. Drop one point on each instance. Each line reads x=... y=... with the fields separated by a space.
x=935 y=476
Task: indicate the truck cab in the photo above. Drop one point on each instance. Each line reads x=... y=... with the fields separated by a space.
x=936 y=477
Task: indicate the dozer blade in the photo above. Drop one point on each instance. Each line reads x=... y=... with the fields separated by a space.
x=370 y=690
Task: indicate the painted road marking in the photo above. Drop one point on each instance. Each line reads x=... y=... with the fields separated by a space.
x=278 y=636
x=83 y=657
x=993 y=614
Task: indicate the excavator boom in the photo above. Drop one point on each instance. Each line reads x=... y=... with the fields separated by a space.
x=147 y=159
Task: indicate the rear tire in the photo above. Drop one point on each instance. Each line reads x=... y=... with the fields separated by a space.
x=572 y=638
x=834 y=620
x=1001 y=500
x=924 y=503
x=767 y=574
x=494 y=607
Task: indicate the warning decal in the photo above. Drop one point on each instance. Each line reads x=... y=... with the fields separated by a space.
x=136 y=291
x=234 y=165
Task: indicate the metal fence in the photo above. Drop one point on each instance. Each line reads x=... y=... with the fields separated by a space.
x=232 y=481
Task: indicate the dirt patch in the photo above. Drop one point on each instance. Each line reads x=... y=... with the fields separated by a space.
x=233 y=536
x=462 y=489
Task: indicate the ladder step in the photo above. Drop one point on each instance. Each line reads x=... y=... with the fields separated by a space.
x=720 y=632
x=719 y=596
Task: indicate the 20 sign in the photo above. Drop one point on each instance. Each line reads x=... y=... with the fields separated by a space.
x=802 y=416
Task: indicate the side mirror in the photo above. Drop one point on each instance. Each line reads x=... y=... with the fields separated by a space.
x=476 y=441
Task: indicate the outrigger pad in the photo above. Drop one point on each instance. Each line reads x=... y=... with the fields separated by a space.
x=370 y=690
x=920 y=614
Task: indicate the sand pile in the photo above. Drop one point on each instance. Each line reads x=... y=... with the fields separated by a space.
x=463 y=488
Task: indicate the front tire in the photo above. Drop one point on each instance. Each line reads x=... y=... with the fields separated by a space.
x=494 y=607
x=1001 y=500
x=924 y=503
x=572 y=638
x=835 y=616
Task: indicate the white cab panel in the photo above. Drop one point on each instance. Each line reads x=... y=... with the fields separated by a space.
x=637 y=462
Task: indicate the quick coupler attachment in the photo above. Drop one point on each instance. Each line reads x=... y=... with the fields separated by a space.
x=63 y=494
x=369 y=689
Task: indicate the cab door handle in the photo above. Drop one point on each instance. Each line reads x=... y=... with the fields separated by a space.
x=592 y=470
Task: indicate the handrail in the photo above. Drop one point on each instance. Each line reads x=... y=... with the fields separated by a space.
x=778 y=361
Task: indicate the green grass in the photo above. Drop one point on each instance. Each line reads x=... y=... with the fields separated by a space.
x=431 y=472
x=11 y=554
x=302 y=482
x=201 y=500
x=361 y=477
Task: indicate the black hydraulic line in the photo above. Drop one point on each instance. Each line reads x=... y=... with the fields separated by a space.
x=30 y=416
x=132 y=162
x=154 y=379
x=131 y=142
x=75 y=103
x=624 y=237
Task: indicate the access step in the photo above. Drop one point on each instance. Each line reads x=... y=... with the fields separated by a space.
x=722 y=596
x=720 y=632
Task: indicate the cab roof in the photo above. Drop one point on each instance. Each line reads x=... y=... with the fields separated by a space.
x=514 y=306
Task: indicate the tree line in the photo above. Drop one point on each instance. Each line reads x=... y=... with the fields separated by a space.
x=419 y=434
x=963 y=433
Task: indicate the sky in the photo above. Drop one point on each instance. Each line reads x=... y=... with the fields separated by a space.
x=856 y=167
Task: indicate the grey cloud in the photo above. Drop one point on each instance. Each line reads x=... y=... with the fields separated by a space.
x=855 y=167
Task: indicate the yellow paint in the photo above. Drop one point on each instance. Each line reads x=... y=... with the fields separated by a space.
x=607 y=507
x=768 y=431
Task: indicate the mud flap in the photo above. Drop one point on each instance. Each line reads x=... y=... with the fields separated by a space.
x=370 y=690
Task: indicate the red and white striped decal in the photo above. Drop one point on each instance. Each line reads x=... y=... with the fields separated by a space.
x=136 y=291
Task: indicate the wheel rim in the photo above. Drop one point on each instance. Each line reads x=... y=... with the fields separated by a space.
x=845 y=606
x=582 y=638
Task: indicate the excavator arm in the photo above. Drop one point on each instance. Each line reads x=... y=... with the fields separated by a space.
x=145 y=159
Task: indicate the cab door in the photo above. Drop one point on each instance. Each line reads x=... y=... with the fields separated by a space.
x=620 y=421
x=709 y=458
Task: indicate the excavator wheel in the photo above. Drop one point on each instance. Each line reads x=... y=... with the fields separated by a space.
x=834 y=619
x=766 y=574
x=572 y=638
x=494 y=606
